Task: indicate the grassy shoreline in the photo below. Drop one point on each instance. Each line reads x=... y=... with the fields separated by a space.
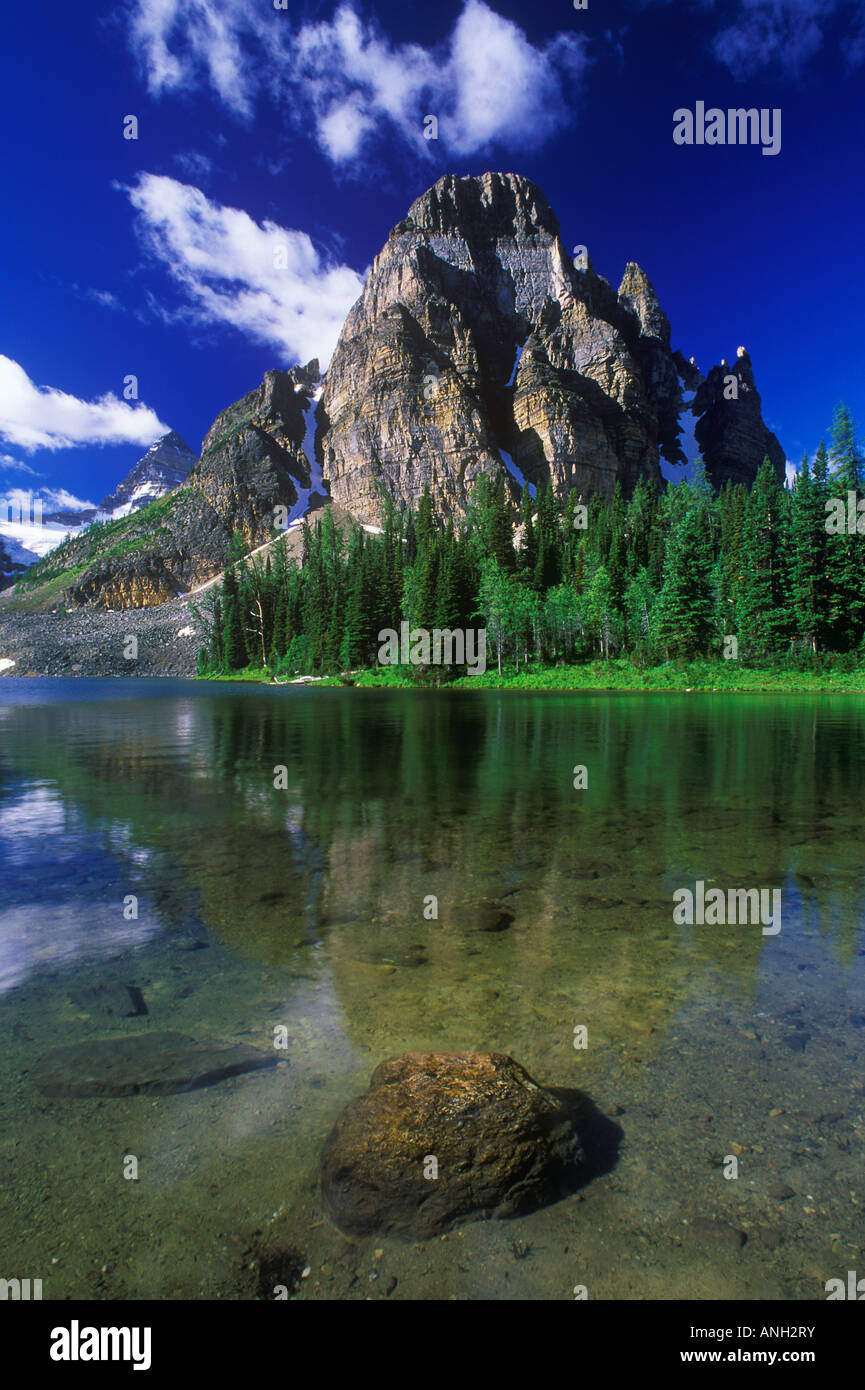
x=686 y=678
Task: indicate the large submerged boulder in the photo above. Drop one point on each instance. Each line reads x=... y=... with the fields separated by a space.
x=441 y=1137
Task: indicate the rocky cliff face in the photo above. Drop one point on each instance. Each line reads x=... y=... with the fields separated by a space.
x=477 y=341
x=730 y=431
x=253 y=460
x=478 y=345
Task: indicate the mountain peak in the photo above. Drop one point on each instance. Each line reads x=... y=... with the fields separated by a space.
x=730 y=431
x=171 y=440
x=495 y=204
x=481 y=345
x=163 y=468
x=638 y=292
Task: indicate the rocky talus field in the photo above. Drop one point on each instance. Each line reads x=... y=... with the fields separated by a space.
x=92 y=641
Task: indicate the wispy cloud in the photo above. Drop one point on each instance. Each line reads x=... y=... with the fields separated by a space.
x=105 y=298
x=265 y=280
x=8 y=464
x=194 y=165
x=344 y=79
x=781 y=36
x=42 y=417
x=179 y=40
x=59 y=500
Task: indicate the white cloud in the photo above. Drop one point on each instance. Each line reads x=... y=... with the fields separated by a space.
x=209 y=37
x=344 y=79
x=355 y=83
x=265 y=280
x=42 y=417
x=59 y=500
x=497 y=86
x=343 y=130
x=53 y=499
x=854 y=50
x=13 y=465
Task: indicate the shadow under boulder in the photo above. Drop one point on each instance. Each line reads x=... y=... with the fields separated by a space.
x=442 y=1137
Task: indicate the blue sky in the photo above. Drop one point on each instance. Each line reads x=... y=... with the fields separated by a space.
x=302 y=127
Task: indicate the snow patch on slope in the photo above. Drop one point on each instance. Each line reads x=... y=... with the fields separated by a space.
x=515 y=472
x=144 y=493
x=316 y=482
x=513 y=375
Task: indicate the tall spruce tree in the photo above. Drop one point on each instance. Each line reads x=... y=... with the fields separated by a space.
x=233 y=642
x=845 y=546
x=845 y=454
x=810 y=583
x=685 y=611
x=765 y=612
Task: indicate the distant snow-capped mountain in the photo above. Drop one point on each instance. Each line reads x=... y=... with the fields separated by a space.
x=163 y=468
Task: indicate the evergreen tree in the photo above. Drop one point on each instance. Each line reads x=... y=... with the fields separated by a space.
x=492 y=522
x=424 y=526
x=846 y=563
x=548 y=565
x=448 y=608
x=766 y=621
x=233 y=642
x=528 y=552
x=731 y=507
x=845 y=454
x=600 y=608
x=810 y=589
x=686 y=605
x=354 y=644
x=662 y=575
